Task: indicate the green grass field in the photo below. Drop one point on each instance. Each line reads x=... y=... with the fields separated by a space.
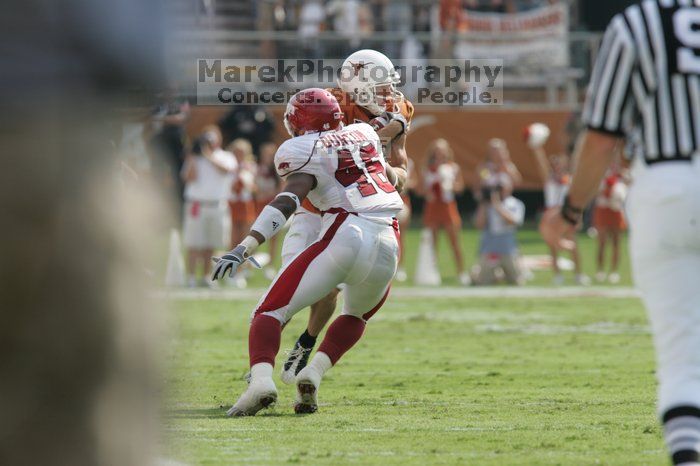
x=477 y=381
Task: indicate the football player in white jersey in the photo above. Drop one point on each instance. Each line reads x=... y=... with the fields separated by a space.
x=343 y=172
x=366 y=93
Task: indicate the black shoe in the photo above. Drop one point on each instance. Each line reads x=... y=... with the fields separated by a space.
x=296 y=361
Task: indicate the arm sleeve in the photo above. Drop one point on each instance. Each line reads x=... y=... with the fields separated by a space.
x=609 y=89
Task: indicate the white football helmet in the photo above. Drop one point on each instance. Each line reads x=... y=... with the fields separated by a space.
x=370 y=78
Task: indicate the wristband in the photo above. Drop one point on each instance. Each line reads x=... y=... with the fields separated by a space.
x=396 y=116
x=570 y=213
x=269 y=222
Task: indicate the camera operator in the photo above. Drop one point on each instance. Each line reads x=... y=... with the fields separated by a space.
x=208 y=173
x=498 y=216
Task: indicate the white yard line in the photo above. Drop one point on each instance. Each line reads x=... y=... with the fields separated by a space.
x=424 y=292
x=167 y=462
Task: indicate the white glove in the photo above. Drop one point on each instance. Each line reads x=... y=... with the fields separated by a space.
x=230 y=262
x=536 y=135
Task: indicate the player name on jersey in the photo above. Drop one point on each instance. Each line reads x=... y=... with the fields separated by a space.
x=350 y=170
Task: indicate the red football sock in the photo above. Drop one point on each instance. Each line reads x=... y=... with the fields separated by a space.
x=342 y=335
x=264 y=339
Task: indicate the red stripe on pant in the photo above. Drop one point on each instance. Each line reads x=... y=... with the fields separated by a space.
x=397 y=233
x=368 y=315
x=286 y=284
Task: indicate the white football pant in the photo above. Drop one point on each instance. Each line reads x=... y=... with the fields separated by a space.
x=359 y=252
x=664 y=213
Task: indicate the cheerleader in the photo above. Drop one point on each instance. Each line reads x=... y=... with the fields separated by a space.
x=442 y=179
x=555 y=175
x=609 y=221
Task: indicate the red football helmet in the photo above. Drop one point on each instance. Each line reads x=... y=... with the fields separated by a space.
x=312 y=110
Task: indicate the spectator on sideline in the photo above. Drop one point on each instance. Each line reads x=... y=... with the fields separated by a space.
x=555 y=175
x=311 y=18
x=166 y=141
x=609 y=222
x=498 y=160
x=397 y=18
x=498 y=216
x=267 y=182
x=442 y=179
x=241 y=197
x=208 y=172
x=345 y=15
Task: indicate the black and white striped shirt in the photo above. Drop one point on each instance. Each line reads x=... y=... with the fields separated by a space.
x=647 y=76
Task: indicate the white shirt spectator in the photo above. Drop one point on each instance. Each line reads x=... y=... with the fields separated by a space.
x=310 y=18
x=211 y=184
x=346 y=17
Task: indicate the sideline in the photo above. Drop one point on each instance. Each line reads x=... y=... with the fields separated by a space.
x=406 y=292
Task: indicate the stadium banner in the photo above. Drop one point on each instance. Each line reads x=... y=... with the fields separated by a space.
x=456 y=83
x=533 y=38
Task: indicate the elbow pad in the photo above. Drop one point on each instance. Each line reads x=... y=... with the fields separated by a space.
x=292 y=196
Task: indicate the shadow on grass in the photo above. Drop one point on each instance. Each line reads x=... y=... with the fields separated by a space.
x=220 y=413
x=197 y=413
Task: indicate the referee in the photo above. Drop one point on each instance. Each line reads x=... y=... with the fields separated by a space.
x=647 y=80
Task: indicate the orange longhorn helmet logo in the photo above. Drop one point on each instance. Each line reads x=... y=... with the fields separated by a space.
x=358 y=66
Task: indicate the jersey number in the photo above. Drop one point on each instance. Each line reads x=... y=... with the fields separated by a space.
x=348 y=172
x=686 y=25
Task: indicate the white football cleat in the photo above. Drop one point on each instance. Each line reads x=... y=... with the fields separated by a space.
x=261 y=394
x=464 y=279
x=582 y=279
x=308 y=381
x=600 y=277
x=614 y=278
